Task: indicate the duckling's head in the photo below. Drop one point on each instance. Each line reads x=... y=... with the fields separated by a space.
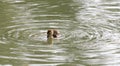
x=52 y=33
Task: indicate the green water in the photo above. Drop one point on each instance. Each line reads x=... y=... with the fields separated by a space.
x=89 y=32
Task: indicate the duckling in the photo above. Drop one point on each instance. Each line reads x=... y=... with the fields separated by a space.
x=52 y=33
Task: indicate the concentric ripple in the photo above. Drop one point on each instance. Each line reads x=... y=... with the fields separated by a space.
x=25 y=33
x=89 y=32
x=84 y=33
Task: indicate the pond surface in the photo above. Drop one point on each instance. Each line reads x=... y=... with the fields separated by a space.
x=89 y=32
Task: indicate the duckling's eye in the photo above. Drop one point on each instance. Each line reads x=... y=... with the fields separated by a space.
x=55 y=36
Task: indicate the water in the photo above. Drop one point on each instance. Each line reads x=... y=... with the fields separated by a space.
x=90 y=32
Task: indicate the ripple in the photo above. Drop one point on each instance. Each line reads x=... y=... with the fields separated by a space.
x=85 y=33
x=89 y=32
x=26 y=33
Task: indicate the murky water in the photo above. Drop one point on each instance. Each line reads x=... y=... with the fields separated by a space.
x=90 y=32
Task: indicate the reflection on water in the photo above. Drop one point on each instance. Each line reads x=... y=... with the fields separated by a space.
x=89 y=30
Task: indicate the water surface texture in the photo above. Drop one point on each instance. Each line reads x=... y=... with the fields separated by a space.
x=89 y=32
